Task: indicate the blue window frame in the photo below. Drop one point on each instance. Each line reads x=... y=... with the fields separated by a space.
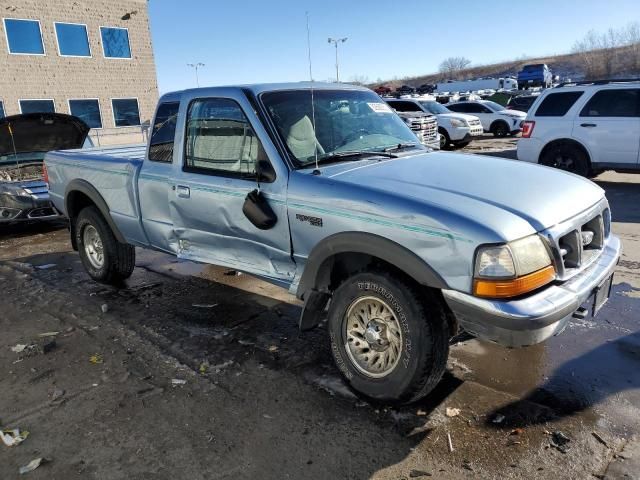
x=87 y=110
x=1 y=109
x=73 y=40
x=23 y=36
x=115 y=42
x=37 y=106
x=125 y=112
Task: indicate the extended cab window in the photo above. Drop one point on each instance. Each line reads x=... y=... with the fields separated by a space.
x=220 y=139
x=557 y=104
x=613 y=103
x=164 y=132
x=405 y=106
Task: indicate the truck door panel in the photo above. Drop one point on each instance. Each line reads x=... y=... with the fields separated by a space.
x=154 y=181
x=209 y=188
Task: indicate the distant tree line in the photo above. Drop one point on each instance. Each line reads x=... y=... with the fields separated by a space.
x=599 y=52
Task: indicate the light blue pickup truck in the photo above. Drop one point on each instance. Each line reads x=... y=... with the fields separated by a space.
x=323 y=190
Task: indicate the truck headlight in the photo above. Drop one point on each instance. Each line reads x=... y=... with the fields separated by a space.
x=512 y=269
x=458 y=123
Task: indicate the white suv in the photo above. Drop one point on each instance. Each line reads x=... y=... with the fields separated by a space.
x=456 y=129
x=584 y=128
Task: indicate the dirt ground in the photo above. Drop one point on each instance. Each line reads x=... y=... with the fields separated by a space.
x=191 y=371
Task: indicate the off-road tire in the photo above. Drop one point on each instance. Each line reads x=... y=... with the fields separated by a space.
x=119 y=258
x=499 y=129
x=567 y=157
x=425 y=337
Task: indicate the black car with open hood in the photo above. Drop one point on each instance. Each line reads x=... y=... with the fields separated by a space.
x=24 y=140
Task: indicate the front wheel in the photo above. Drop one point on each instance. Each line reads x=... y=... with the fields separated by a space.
x=104 y=258
x=388 y=338
x=568 y=158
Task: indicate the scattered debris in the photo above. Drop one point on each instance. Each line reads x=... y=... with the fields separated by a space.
x=48 y=345
x=449 y=442
x=268 y=417
x=96 y=359
x=559 y=441
x=273 y=348
x=517 y=431
x=452 y=412
x=499 y=418
x=46 y=267
x=18 y=348
x=32 y=465
x=57 y=394
x=418 y=474
x=203 y=368
x=421 y=413
x=467 y=465
x=204 y=305
x=219 y=367
x=104 y=307
x=597 y=436
x=14 y=437
x=178 y=381
x=48 y=334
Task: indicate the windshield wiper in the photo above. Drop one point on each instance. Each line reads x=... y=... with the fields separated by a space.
x=339 y=156
x=400 y=146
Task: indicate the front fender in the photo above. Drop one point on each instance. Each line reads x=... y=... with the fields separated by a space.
x=319 y=262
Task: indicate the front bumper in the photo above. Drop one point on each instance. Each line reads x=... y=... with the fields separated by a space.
x=14 y=209
x=533 y=319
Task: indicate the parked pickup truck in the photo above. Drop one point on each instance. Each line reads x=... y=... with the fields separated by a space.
x=336 y=201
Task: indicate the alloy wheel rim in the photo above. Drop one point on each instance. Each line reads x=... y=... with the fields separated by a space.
x=93 y=246
x=373 y=337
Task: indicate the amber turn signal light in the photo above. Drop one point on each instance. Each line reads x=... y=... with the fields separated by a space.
x=513 y=287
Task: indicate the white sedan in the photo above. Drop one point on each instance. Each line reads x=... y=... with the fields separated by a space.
x=494 y=117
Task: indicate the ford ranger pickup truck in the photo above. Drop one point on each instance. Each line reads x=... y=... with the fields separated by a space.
x=323 y=190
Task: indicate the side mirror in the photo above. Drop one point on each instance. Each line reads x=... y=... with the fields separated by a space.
x=265 y=172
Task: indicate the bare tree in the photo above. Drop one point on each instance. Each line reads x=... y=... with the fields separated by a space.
x=359 y=80
x=631 y=38
x=454 y=65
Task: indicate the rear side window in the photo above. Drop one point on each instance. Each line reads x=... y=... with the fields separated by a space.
x=557 y=104
x=458 y=107
x=220 y=139
x=164 y=132
x=613 y=103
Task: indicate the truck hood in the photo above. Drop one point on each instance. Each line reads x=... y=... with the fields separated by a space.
x=475 y=186
x=40 y=132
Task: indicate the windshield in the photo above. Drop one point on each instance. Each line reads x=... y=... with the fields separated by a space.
x=345 y=121
x=496 y=107
x=435 y=107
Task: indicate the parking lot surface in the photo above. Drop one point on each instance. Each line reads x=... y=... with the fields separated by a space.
x=192 y=371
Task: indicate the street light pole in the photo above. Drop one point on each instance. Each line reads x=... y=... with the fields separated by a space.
x=196 y=66
x=336 y=41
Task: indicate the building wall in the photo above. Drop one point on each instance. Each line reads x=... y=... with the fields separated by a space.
x=62 y=78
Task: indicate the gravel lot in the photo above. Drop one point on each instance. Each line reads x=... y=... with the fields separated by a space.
x=191 y=371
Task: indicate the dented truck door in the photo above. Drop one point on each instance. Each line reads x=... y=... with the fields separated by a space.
x=222 y=141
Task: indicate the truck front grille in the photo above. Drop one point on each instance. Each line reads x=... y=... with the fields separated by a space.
x=426 y=129
x=577 y=248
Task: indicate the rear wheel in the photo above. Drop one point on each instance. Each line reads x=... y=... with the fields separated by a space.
x=500 y=129
x=566 y=157
x=104 y=258
x=389 y=338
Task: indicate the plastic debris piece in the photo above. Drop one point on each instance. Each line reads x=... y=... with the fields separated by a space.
x=204 y=305
x=48 y=334
x=46 y=267
x=597 y=436
x=96 y=359
x=517 y=431
x=104 y=307
x=203 y=368
x=452 y=412
x=499 y=418
x=273 y=348
x=178 y=381
x=18 y=348
x=450 y=443
x=560 y=441
x=14 y=437
x=31 y=466
x=421 y=413
x=56 y=394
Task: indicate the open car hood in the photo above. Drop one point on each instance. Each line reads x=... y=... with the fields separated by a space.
x=41 y=132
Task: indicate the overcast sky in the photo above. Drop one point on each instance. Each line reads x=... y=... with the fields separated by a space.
x=254 y=41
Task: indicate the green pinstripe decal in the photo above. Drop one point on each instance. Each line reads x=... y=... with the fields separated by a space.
x=384 y=223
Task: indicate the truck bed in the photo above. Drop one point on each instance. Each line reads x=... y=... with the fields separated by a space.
x=112 y=171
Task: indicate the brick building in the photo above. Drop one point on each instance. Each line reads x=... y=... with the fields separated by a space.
x=90 y=58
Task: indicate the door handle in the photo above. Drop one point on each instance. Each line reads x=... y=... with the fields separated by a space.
x=588 y=125
x=183 y=191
